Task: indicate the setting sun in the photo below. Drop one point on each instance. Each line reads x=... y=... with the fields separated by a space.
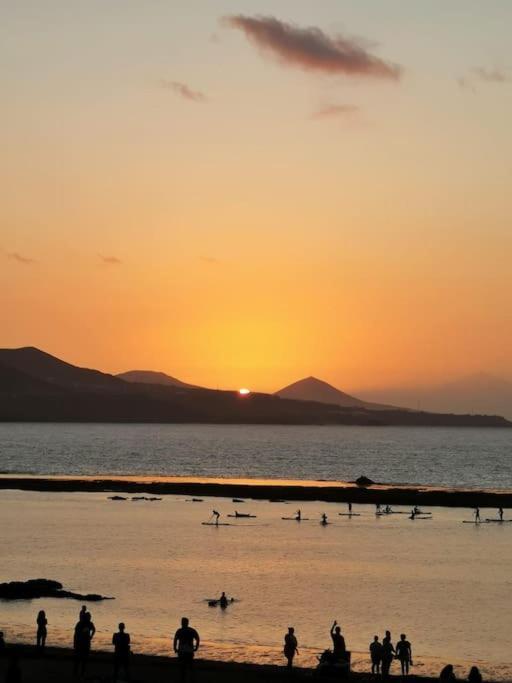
x=244 y=392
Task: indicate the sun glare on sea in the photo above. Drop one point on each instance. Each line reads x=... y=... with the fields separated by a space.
x=244 y=392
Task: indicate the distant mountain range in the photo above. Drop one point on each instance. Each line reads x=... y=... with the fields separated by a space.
x=36 y=386
x=313 y=389
x=475 y=394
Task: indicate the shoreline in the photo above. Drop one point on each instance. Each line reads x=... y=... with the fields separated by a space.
x=329 y=492
x=57 y=664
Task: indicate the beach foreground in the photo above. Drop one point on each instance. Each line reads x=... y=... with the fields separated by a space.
x=57 y=665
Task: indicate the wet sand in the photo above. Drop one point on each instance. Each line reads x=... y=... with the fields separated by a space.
x=57 y=665
x=333 y=492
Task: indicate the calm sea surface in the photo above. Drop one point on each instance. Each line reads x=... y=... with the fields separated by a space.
x=447 y=585
x=448 y=457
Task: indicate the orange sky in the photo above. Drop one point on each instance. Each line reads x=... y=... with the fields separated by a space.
x=230 y=234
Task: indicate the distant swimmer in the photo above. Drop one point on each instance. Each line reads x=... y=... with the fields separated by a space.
x=477 y=514
x=404 y=654
x=290 y=646
x=216 y=515
x=324 y=519
x=223 y=601
x=298 y=516
x=338 y=642
x=500 y=512
x=376 y=654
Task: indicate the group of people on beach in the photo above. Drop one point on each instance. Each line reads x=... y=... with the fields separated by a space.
x=186 y=642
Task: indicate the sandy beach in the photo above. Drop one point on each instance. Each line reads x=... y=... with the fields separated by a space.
x=57 y=665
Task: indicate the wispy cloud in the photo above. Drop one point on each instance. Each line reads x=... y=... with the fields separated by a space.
x=19 y=258
x=491 y=75
x=210 y=260
x=335 y=111
x=110 y=260
x=184 y=91
x=311 y=49
x=482 y=74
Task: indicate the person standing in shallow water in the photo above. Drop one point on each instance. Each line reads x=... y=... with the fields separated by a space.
x=121 y=643
x=84 y=633
x=42 y=623
x=404 y=654
x=388 y=652
x=376 y=654
x=185 y=644
x=290 y=646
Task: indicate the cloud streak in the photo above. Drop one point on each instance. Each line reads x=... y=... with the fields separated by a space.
x=335 y=111
x=19 y=258
x=184 y=91
x=110 y=260
x=310 y=49
x=484 y=75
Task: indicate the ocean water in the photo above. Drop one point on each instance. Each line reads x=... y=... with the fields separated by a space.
x=439 y=456
x=447 y=585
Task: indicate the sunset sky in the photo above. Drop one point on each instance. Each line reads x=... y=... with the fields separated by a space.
x=246 y=192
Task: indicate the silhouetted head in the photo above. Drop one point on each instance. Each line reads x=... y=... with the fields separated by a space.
x=402 y=636
x=337 y=630
x=447 y=672
x=223 y=594
x=121 y=627
x=184 y=622
x=474 y=675
x=41 y=614
x=291 y=630
x=376 y=639
x=388 y=634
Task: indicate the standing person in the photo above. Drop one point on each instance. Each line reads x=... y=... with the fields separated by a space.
x=290 y=647
x=500 y=512
x=477 y=514
x=388 y=652
x=404 y=654
x=223 y=601
x=338 y=642
x=350 y=508
x=185 y=644
x=376 y=654
x=121 y=643
x=216 y=515
x=324 y=519
x=298 y=516
x=377 y=507
x=82 y=613
x=42 y=623
x=84 y=633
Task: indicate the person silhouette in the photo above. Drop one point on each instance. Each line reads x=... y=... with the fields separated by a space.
x=404 y=654
x=216 y=515
x=2 y=643
x=84 y=633
x=338 y=642
x=185 y=644
x=477 y=514
x=324 y=519
x=121 y=643
x=350 y=508
x=447 y=674
x=376 y=654
x=298 y=516
x=223 y=601
x=290 y=647
x=500 y=513
x=474 y=675
x=82 y=613
x=388 y=652
x=42 y=623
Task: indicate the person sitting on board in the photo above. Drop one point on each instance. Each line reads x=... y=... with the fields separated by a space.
x=338 y=642
x=324 y=518
x=223 y=601
x=298 y=516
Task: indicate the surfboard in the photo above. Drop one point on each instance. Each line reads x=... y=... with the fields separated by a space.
x=214 y=524
x=349 y=514
x=467 y=521
x=499 y=521
x=294 y=519
x=243 y=516
x=237 y=500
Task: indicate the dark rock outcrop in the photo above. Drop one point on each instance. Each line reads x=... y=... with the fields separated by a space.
x=42 y=588
x=364 y=481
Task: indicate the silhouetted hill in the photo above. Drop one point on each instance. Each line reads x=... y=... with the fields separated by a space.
x=35 y=386
x=42 y=366
x=152 y=377
x=313 y=389
x=479 y=393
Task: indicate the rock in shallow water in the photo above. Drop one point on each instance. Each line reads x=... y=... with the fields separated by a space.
x=42 y=588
